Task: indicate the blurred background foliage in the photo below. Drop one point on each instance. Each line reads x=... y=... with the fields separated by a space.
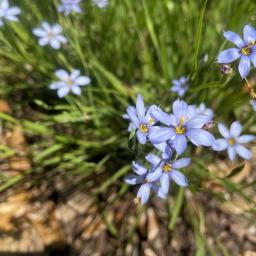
x=127 y=48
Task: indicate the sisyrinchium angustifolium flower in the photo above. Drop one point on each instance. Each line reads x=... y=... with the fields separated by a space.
x=69 y=6
x=51 y=35
x=8 y=12
x=141 y=119
x=100 y=3
x=180 y=86
x=233 y=142
x=245 y=50
x=69 y=82
x=185 y=123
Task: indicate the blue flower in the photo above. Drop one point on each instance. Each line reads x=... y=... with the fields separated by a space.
x=166 y=170
x=141 y=119
x=253 y=104
x=233 y=141
x=68 y=6
x=184 y=123
x=180 y=86
x=202 y=110
x=100 y=3
x=50 y=35
x=147 y=181
x=245 y=50
x=7 y=12
x=69 y=82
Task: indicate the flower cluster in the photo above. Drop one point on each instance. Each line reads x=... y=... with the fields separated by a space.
x=170 y=134
x=245 y=50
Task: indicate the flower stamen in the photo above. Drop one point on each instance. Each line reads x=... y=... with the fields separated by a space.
x=143 y=128
x=180 y=129
x=231 y=142
x=167 y=167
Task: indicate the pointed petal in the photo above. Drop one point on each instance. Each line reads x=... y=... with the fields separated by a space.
x=82 y=80
x=62 y=74
x=200 y=137
x=181 y=163
x=142 y=137
x=180 y=144
x=133 y=117
x=76 y=90
x=228 y=55
x=244 y=66
x=179 y=178
x=220 y=144
x=160 y=134
x=235 y=129
x=133 y=179
x=154 y=175
x=163 y=117
x=63 y=91
x=179 y=108
x=245 y=138
x=231 y=153
x=249 y=34
x=138 y=169
x=223 y=130
x=143 y=193
x=165 y=181
x=243 y=151
x=234 y=38
x=253 y=56
x=140 y=108
x=153 y=159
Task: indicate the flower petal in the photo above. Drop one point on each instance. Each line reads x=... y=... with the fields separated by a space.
x=200 y=137
x=198 y=121
x=235 y=129
x=179 y=109
x=234 y=38
x=142 y=137
x=243 y=151
x=244 y=66
x=223 y=130
x=220 y=144
x=55 y=44
x=39 y=32
x=231 y=153
x=76 y=90
x=253 y=56
x=82 y=80
x=181 y=163
x=228 y=55
x=43 y=41
x=133 y=179
x=62 y=74
x=63 y=91
x=153 y=159
x=245 y=138
x=180 y=143
x=143 y=193
x=160 y=134
x=163 y=117
x=154 y=175
x=133 y=117
x=165 y=181
x=179 y=178
x=138 y=169
x=249 y=34
x=140 y=108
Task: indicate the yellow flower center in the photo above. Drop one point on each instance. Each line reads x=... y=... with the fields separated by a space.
x=180 y=129
x=231 y=142
x=246 y=50
x=151 y=121
x=143 y=128
x=69 y=82
x=167 y=167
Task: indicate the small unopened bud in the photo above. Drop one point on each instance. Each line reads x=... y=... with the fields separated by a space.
x=225 y=69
